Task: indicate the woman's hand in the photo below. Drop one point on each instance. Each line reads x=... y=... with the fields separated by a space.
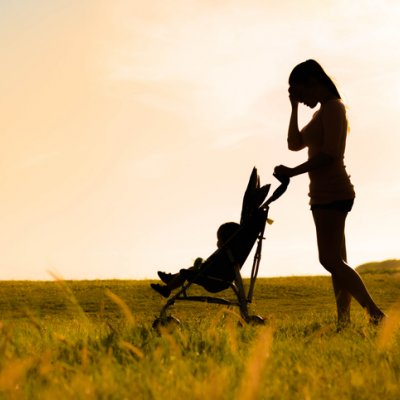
x=293 y=101
x=293 y=97
x=281 y=171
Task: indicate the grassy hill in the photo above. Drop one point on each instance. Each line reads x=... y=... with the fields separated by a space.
x=274 y=297
x=93 y=340
x=381 y=267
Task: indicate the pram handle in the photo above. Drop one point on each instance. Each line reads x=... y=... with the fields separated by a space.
x=278 y=191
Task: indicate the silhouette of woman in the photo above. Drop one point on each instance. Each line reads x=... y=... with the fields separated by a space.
x=331 y=192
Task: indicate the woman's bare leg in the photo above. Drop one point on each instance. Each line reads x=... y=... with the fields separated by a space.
x=342 y=295
x=330 y=236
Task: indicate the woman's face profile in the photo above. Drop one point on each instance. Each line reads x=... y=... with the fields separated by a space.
x=304 y=94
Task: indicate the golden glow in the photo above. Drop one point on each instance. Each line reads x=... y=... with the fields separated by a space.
x=129 y=129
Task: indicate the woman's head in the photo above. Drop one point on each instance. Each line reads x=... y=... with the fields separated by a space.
x=308 y=82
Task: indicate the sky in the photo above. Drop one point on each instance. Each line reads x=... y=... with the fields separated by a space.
x=129 y=129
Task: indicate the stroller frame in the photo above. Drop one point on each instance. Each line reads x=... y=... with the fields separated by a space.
x=237 y=285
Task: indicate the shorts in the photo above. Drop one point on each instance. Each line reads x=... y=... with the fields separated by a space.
x=339 y=205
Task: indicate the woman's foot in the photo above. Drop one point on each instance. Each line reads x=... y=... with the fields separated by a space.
x=161 y=289
x=377 y=319
x=343 y=324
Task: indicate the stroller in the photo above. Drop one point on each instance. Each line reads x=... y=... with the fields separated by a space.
x=222 y=269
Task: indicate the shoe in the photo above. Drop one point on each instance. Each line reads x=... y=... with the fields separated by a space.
x=165 y=277
x=163 y=290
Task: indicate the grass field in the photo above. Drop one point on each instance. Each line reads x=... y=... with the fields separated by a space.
x=93 y=340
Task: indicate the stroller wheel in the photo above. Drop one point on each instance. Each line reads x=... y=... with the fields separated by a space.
x=255 y=320
x=169 y=323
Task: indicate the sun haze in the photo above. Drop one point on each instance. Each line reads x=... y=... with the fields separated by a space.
x=129 y=130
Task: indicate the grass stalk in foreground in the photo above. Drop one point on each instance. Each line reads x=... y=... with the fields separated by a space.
x=91 y=340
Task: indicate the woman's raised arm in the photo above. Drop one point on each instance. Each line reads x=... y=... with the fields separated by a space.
x=294 y=139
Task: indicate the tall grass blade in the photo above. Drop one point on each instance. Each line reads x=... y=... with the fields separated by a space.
x=130 y=320
x=252 y=377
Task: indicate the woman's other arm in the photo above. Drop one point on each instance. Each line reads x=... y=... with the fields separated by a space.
x=318 y=161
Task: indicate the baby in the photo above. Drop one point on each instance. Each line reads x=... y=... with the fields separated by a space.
x=174 y=281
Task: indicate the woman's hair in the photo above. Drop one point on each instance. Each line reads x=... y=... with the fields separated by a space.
x=310 y=70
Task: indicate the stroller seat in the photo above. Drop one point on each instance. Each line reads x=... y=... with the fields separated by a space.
x=221 y=270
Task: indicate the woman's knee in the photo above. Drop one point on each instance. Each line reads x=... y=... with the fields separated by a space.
x=331 y=264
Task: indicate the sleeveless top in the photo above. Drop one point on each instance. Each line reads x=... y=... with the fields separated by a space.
x=327 y=133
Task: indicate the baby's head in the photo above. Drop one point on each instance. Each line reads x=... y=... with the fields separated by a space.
x=225 y=232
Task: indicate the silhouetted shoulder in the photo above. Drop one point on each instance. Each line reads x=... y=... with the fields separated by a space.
x=334 y=115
